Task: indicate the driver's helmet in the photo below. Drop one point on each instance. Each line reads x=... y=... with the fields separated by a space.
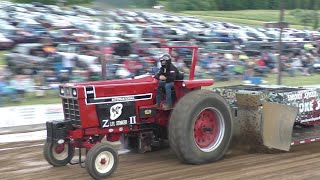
x=165 y=59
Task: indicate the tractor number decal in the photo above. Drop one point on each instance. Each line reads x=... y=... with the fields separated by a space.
x=116 y=114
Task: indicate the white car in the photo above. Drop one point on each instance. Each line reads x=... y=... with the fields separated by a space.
x=285 y=36
x=242 y=35
x=5 y=43
x=99 y=35
x=188 y=27
x=316 y=66
x=173 y=18
x=288 y=37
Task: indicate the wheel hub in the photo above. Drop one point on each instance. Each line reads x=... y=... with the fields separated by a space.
x=103 y=161
x=59 y=148
x=205 y=129
x=60 y=151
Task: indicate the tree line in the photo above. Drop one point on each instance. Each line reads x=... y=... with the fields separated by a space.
x=105 y=3
x=54 y=2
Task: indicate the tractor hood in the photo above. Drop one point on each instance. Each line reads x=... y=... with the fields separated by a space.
x=140 y=87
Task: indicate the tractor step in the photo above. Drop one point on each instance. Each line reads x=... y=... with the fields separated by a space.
x=303 y=135
x=162 y=109
x=157 y=107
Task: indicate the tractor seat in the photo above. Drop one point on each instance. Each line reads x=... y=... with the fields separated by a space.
x=180 y=76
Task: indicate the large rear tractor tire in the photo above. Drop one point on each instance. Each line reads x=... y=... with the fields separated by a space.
x=200 y=127
x=58 y=154
x=101 y=161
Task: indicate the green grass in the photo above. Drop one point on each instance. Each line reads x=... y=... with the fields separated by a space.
x=51 y=97
x=286 y=80
x=2 y=62
x=246 y=17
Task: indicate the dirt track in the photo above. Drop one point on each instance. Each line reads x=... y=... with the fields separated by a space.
x=302 y=162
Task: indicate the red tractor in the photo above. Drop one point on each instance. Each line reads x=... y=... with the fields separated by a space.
x=198 y=127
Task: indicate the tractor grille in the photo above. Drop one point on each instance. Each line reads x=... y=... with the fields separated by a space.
x=71 y=110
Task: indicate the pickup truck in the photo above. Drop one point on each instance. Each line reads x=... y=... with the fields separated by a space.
x=26 y=56
x=175 y=34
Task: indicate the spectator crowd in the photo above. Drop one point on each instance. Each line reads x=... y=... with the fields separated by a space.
x=42 y=56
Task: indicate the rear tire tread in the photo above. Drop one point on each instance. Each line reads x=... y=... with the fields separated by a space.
x=180 y=121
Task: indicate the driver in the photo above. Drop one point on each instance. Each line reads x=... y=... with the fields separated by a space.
x=166 y=76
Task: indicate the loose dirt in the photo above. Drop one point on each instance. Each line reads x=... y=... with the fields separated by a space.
x=24 y=161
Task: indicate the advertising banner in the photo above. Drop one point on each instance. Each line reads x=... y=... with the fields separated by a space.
x=28 y=115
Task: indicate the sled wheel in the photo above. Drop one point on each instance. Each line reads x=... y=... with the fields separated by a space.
x=58 y=154
x=102 y=160
x=200 y=127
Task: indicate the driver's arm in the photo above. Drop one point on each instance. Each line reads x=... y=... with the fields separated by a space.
x=157 y=76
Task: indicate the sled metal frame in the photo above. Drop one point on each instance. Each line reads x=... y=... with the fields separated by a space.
x=305 y=135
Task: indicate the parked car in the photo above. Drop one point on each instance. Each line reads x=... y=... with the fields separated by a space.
x=224 y=36
x=218 y=47
x=26 y=56
x=175 y=34
x=258 y=35
x=5 y=43
x=32 y=28
x=316 y=66
x=132 y=32
x=68 y=35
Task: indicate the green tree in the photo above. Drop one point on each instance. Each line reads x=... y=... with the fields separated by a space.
x=213 y=4
x=305 y=16
x=143 y=3
x=41 y=1
x=298 y=4
x=273 y=4
x=54 y=1
x=178 y=5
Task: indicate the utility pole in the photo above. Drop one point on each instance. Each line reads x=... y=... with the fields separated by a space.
x=99 y=4
x=103 y=53
x=281 y=23
x=316 y=15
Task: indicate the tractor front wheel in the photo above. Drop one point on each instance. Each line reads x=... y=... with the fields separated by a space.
x=58 y=154
x=101 y=161
x=200 y=127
